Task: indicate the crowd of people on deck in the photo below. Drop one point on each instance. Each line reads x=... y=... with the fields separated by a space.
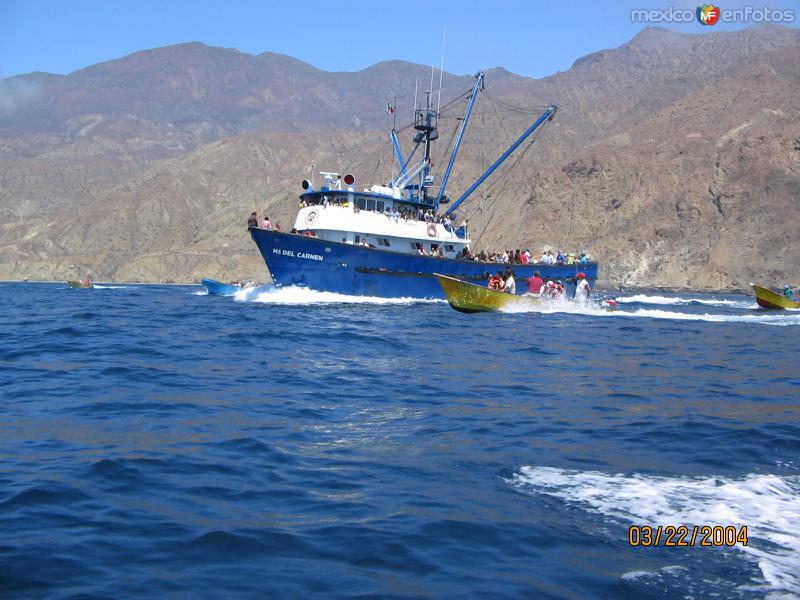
x=405 y=213
x=265 y=223
x=524 y=257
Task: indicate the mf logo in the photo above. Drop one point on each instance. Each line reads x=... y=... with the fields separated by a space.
x=708 y=14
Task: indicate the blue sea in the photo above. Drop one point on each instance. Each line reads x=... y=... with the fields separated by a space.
x=156 y=442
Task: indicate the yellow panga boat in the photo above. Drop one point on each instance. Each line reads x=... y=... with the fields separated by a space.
x=468 y=297
x=81 y=284
x=769 y=299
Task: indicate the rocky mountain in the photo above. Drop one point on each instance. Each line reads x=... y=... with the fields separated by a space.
x=674 y=159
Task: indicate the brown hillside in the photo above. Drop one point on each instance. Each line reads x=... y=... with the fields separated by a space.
x=674 y=159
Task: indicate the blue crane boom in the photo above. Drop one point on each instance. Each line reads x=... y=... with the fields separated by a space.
x=398 y=153
x=546 y=115
x=459 y=137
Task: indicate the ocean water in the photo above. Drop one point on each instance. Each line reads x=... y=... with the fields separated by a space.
x=156 y=442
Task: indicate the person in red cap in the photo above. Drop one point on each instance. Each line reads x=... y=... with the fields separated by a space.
x=582 y=289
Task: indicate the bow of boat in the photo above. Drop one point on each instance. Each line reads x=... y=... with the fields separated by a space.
x=766 y=298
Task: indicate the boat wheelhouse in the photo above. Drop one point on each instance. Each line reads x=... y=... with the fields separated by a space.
x=377 y=219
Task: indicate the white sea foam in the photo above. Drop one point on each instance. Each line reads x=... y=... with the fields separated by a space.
x=674 y=570
x=294 y=295
x=769 y=505
x=593 y=309
x=765 y=318
x=681 y=301
x=110 y=287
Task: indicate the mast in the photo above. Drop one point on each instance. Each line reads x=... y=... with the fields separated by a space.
x=548 y=114
x=441 y=69
x=425 y=122
x=393 y=135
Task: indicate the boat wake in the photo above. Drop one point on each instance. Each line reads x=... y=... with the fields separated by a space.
x=769 y=505
x=110 y=287
x=598 y=310
x=679 y=301
x=294 y=295
x=764 y=318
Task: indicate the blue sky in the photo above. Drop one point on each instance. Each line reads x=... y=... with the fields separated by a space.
x=527 y=37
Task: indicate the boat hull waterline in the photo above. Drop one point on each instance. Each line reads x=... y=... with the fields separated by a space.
x=354 y=270
x=766 y=298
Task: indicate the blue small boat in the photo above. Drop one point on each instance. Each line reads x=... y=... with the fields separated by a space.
x=217 y=288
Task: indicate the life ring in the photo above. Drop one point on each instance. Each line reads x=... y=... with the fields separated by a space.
x=311 y=217
x=431 y=230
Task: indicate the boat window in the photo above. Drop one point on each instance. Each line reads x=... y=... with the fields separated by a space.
x=448 y=247
x=383 y=242
x=361 y=203
x=370 y=204
x=379 y=205
x=413 y=245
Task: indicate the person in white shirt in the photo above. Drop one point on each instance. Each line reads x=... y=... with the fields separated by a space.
x=582 y=289
x=511 y=285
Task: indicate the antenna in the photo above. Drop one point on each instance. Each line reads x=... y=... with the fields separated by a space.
x=393 y=111
x=441 y=68
x=416 y=86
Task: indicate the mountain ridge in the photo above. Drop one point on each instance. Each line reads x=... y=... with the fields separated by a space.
x=663 y=149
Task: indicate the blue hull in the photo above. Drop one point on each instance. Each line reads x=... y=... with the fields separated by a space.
x=218 y=288
x=355 y=270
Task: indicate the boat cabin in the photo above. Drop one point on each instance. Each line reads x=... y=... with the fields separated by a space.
x=381 y=217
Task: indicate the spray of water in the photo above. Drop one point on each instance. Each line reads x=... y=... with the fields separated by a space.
x=293 y=295
x=769 y=505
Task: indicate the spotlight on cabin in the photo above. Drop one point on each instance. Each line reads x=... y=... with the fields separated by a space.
x=307 y=185
x=349 y=179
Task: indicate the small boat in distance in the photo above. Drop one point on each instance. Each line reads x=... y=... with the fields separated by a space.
x=469 y=298
x=80 y=284
x=217 y=288
x=766 y=298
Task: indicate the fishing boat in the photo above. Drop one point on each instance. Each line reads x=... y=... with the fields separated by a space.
x=469 y=298
x=80 y=284
x=769 y=299
x=217 y=288
x=389 y=240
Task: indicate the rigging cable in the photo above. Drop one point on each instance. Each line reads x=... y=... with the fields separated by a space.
x=371 y=177
x=503 y=178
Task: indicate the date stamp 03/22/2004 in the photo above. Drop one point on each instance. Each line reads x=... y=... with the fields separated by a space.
x=682 y=536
